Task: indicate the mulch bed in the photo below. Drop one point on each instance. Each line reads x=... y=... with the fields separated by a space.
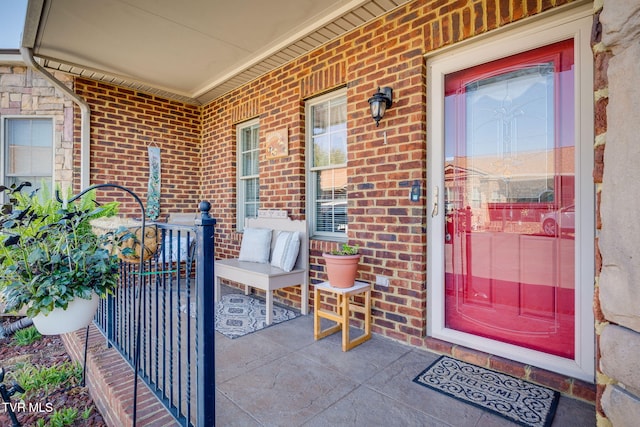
x=47 y=351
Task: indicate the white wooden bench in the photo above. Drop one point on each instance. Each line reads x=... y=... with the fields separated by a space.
x=265 y=276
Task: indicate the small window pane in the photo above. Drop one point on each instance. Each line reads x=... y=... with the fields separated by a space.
x=254 y=139
x=320 y=119
x=249 y=163
x=18 y=132
x=338 y=116
x=251 y=210
x=42 y=133
x=252 y=198
x=321 y=151
x=251 y=190
x=339 y=148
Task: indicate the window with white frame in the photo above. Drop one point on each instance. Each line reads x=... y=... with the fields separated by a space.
x=28 y=151
x=327 y=167
x=248 y=171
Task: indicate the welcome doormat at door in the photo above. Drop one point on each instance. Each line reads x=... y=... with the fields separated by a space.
x=517 y=400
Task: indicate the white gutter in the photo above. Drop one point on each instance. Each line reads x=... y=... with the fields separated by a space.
x=85 y=114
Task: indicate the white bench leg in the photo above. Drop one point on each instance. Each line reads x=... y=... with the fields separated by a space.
x=269 y=307
x=216 y=290
x=304 y=304
x=247 y=289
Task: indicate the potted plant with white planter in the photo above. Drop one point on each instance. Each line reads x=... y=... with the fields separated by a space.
x=342 y=265
x=52 y=263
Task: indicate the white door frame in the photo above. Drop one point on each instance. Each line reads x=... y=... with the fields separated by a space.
x=574 y=23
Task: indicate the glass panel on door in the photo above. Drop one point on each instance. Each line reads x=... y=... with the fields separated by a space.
x=509 y=200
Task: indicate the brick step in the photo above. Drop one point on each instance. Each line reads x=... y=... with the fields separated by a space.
x=110 y=381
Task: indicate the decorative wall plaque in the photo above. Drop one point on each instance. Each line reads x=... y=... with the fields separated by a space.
x=277 y=143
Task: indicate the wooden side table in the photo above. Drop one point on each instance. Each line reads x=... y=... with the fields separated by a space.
x=341 y=315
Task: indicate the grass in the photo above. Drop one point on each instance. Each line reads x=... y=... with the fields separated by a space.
x=26 y=336
x=64 y=417
x=40 y=382
x=35 y=378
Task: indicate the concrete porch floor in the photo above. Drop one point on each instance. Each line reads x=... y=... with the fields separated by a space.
x=280 y=376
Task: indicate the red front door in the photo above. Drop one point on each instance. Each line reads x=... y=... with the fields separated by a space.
x=509 y=197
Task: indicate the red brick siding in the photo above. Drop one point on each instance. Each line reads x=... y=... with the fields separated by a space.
x=389 y=228
x=123 y=124
x=110 y=381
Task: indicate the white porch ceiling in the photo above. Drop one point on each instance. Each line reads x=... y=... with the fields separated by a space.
x=194 y=50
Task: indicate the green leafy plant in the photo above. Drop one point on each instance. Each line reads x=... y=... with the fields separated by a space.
x=63 y=417
x=27 y=336
x=346 y=249
x=35 y=378
x=86 y=413
x=49 y=255
x=60 y=418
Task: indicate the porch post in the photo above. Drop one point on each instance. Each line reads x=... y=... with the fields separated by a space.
x=205 y=356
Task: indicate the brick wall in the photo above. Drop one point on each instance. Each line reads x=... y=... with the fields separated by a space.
x=199 y=154
x=110 y=380
x=123 y=124
x=26 y=93
x=388 y=227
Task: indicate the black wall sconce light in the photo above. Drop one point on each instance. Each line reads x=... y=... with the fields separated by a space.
x=380 y=102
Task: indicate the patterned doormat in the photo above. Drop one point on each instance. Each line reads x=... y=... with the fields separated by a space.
x=517 y=400
x=238 y=315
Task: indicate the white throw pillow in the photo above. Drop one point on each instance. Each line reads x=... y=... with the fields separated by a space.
x=256 y=245
x=285 y=251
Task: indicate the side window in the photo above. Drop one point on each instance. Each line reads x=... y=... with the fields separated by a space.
x=327 y=167
x=248 y=185
x=28 y=152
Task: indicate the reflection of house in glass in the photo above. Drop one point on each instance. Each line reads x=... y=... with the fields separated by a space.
x=332 y=200
x=510 y=193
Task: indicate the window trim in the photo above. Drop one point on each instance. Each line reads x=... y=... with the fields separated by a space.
x=310 y=188
x=240 y=196
x=4 y=147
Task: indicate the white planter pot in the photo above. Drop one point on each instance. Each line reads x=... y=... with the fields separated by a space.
x=78 y=314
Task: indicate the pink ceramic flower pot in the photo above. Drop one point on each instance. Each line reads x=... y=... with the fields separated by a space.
x=342 y=269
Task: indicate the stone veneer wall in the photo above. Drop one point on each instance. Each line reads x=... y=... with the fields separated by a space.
x=24 y=92
x=618 y=311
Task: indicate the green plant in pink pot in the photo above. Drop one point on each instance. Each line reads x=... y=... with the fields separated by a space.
x=342 y=265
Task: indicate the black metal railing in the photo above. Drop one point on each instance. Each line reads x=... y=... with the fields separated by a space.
x=173 y=298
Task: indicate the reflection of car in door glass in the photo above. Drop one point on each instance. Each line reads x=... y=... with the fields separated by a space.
x=561 y=219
